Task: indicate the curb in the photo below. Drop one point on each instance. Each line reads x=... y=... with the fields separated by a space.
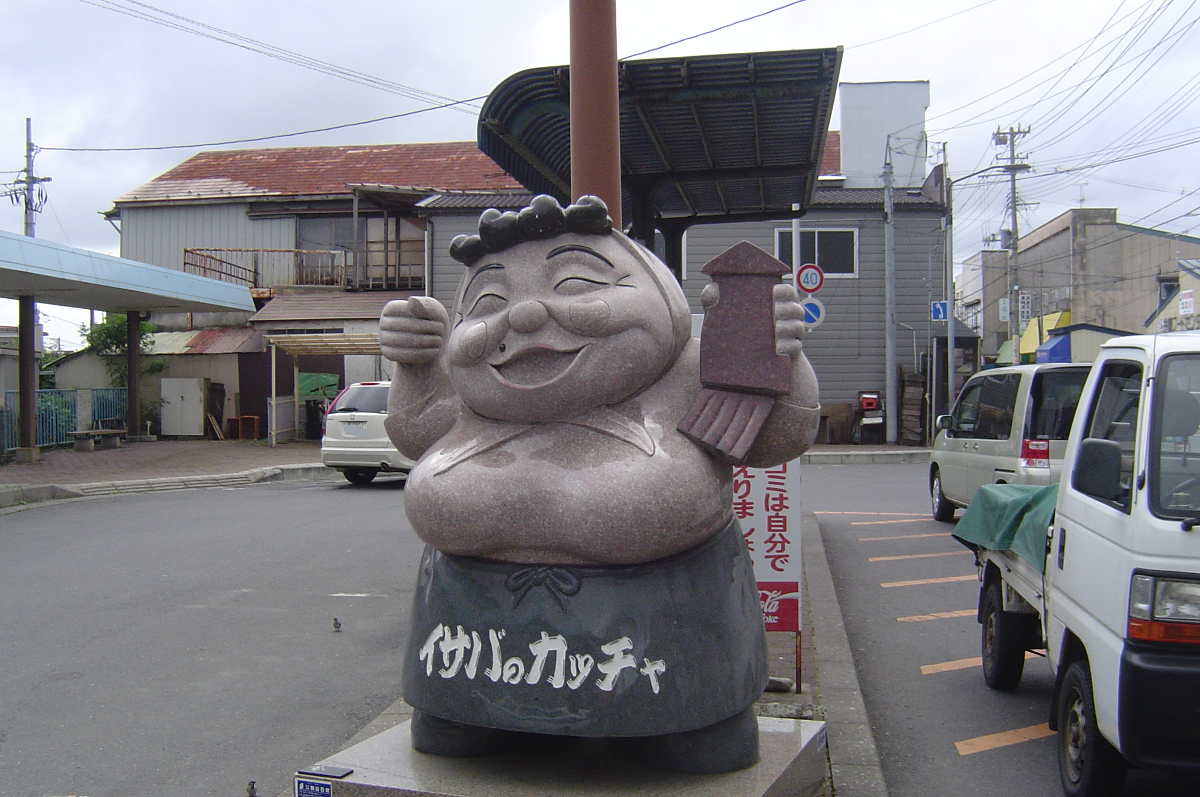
x=855 y=769
x=878 y=457
x=31 y=494
x=23 y=494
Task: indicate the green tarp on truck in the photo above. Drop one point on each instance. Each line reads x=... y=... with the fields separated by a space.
x=1010 y=517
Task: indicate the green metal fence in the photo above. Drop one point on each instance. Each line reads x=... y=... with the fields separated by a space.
x=108 y=403
x=56 y=417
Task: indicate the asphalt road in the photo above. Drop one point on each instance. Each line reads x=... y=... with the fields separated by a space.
x=908 y=593
x=182 y=642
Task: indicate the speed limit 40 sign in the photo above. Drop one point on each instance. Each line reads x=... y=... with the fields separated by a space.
x=810 y=278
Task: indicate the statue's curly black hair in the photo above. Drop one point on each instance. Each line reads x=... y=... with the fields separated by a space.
x=544 y=218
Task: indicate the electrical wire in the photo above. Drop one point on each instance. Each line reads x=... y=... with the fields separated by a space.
x=257 y=139
x=919 y=27
x=714 y=30
x=196 y=28
x=110 y=5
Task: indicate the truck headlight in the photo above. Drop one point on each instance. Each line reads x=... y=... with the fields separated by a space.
x=1177 y=600
x=1164 y=609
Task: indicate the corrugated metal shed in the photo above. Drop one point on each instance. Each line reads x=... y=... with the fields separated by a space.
x=322 y=171
x=476 y=200
x=296 y=345
x=327 y=307
x=219 y=340
x=727 y=136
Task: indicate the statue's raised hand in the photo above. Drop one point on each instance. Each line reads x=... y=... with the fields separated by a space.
x=790 y=329
x=413 y=331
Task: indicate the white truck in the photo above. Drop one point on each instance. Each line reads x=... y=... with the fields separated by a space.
x=1103 y=569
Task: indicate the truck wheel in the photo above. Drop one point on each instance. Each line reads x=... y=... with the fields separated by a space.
x=1003 y=641
x=360 y=475
x=943 y=510
x=1087 y=764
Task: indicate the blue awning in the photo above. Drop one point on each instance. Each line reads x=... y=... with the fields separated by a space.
x=1055 y=350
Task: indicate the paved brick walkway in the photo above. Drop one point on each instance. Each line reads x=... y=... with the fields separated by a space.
x=162 y=458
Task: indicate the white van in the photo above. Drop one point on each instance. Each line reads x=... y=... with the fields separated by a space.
x=1009 y=426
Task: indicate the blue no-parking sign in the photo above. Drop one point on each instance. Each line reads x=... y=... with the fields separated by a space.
x=814 y=311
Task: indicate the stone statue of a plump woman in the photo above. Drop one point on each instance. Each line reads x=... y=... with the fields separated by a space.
x=584 y=574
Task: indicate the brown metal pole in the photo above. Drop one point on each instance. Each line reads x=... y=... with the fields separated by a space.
x=133 y=367
x=799 y=660
x=595 y=118
x=27 y=375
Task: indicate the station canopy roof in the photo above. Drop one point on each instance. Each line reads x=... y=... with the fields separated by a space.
x=703 y=138
x=62 y=275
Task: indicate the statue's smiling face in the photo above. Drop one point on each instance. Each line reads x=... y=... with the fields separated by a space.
x=551 y=328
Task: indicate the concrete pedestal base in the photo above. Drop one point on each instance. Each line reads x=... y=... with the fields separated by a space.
x=794 y=764
x=26 y=456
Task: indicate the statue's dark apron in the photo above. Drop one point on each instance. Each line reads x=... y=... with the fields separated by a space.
x=640 y=650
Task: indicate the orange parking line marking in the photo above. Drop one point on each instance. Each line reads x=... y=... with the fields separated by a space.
x=917 y=618
x=905 y=536
x=882 y=522
x=964 y=664
x=990 y=742
x=949 y=666
x=870 y=514
x=916 y=556
x=919 y=581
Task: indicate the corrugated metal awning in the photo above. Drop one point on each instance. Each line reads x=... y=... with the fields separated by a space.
x=218 y=340
x=337 y=343
x=710 y=137
x=327 y=306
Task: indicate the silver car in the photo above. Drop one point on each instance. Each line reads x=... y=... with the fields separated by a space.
x=354 y=440
x=1009 y=426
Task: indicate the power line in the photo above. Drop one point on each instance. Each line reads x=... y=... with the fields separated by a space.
x=211 y=32
x=714 y=30
x=257 y=139
x=919 y=27
x=110 y=5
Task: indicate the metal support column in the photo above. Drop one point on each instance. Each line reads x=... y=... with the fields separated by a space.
x=595 y=121
x=28 y=380
x=133 y=370
x=271 y=408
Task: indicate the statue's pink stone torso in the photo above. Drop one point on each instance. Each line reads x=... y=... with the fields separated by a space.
x=575 y=493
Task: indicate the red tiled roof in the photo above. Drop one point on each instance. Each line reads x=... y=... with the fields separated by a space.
x=318 y=171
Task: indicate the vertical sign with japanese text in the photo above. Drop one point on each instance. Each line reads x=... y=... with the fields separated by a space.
x=766 y=503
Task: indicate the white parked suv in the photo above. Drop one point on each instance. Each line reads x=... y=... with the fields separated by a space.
x=354 y=440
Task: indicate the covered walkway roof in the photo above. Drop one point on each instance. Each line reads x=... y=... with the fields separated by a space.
x=708 y=138
x=62 y=275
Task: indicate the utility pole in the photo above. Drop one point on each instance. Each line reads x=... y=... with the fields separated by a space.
x=33 y=198
x=949 y=224
x=891 y=392
x=1001 y=138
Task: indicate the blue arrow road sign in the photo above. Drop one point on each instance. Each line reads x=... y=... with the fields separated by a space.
x=937 y=311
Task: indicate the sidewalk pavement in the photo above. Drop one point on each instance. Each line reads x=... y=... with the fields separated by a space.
x=828 y=686
x=179 y=459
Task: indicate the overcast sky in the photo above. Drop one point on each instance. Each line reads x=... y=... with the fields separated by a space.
x=1106 y=87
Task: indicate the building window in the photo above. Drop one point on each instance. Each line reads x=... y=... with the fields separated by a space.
x=835 y=251
x=391 y=251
